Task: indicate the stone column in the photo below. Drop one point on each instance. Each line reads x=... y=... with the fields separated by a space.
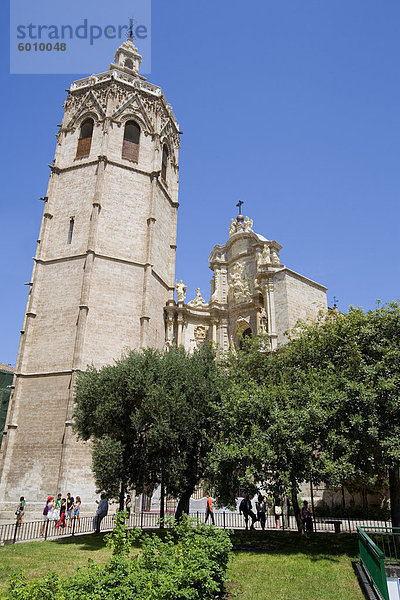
x=181 y=322
x=214 y=331
x=269 y=305
x=224 y=337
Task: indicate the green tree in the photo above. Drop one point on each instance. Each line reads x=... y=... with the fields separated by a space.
x=105 y=400
x=324 y=407
x=152 y=419
x=268 y=434
x=355 y=359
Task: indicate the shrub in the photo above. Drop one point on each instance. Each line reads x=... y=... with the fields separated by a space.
x=190 y=563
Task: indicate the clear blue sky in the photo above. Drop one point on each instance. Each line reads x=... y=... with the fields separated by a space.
x=291 y=106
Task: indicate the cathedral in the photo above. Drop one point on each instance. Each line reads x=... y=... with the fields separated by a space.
x=103 y=278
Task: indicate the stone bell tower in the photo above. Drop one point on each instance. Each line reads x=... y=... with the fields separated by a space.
x=103 y=271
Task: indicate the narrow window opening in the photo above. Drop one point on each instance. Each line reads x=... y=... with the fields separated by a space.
x=85 y=139
x=165 y=154
x=71 y=229
x=129 y=63
x=247 y=333
x=130 y=145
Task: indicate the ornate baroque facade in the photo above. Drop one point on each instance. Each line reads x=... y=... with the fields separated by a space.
x=251 y=293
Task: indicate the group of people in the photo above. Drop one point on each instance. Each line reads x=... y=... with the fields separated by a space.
x=280 y=505
x=60 y=510
x=246 y=509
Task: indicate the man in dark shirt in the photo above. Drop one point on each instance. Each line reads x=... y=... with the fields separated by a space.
x=100 y=513
x=246 y=509
x=70 y=508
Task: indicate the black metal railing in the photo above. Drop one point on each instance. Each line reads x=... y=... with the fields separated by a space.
x=34 y=530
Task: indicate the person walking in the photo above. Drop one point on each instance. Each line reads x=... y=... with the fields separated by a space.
x=246 y=509
x=128 y=506
x=277 y=511
x=101 y=512
x=306 y=518
x=19 y=513
x=261 y=509
x=47 y=514
x=209 y=509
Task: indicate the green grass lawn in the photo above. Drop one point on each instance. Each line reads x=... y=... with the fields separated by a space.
x=319 y=568
x=38 y=558
x=292 y=568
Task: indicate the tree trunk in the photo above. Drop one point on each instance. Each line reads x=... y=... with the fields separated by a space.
x=162 y=502
x=296 y=508
x=122 y=496
x=183 y=504
x=394 y=487
x=312 y=506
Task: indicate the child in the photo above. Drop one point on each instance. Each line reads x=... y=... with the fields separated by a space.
x=63 y=508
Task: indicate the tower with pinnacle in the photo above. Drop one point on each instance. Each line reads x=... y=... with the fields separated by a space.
x=103 y=270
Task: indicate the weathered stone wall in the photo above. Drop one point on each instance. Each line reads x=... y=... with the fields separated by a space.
x=296 y=297
x=100 y=295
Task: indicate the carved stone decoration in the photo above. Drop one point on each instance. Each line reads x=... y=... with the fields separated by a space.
x=127 y=57
x=200 y=335
x=134 y=105
x=248 y=224
x=168 y=131
x=180 y=288
x=265 y=257
x=238 y=284
x=262 y=322
x=238 y=225
x=198 y=300
x=275 y=256
x=84 y=103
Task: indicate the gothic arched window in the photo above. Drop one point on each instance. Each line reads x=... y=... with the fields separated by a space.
x=164 y=164
x=85 y=139
x=130 y=145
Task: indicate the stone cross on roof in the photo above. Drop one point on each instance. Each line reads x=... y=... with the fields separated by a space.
x=239 y=205
x=130 y=30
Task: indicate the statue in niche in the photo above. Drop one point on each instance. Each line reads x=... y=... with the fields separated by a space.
x=262 y=322
x=265 y=256
x=198 y=300
x=238 y=284
x=275 y=257
x=180 y=288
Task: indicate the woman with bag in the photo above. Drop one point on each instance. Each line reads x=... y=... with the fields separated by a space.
x=19 y=513
x=47 y=513
x=277 y=511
